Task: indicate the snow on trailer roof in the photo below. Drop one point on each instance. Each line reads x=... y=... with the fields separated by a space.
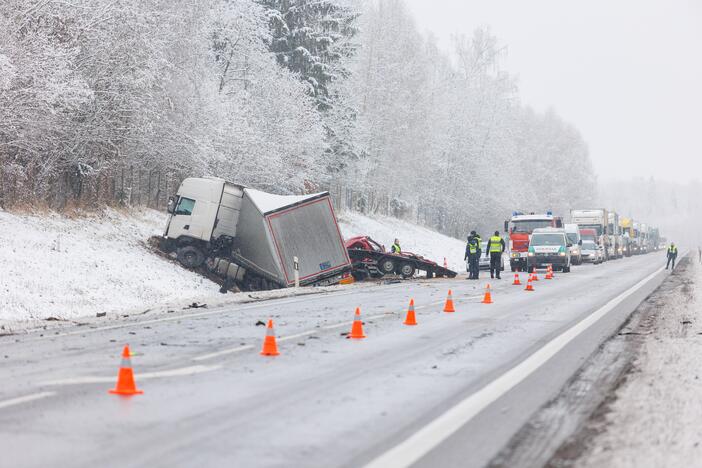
x=269 y=202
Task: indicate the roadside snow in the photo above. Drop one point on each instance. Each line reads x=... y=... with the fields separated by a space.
x=54 y=266
x=655 y=419
x=68 y=268
x=416 y=239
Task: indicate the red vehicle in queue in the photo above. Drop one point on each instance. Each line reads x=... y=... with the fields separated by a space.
x=520 y=227
x=369 y=259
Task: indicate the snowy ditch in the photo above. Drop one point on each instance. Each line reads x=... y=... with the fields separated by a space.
x=59 y=269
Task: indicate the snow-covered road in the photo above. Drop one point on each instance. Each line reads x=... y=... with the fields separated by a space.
x=211 y=400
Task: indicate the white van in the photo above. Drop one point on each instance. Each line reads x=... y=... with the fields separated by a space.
x=549 y=246
x=573 y=233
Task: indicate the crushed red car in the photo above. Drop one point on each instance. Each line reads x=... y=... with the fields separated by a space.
x=369 y=259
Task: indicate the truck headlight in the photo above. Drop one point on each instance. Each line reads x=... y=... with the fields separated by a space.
x=562 y=254
x=531 y=254
x=515 y=255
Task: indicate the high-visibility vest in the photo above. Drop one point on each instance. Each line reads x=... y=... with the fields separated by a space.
x=672 y=249
x=495 y=244
x=396 y=248
x=473 y=245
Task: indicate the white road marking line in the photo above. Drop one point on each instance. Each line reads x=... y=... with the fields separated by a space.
x=349 y=323
x=298 y=335
x=220 y=310
x=223 y=352
x=437 y=431
x=25 y=399
x=180 y=372
x=239 y=349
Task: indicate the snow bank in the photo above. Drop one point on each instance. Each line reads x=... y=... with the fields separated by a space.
x=654 y=419
x=416 y=239
x=54 y=266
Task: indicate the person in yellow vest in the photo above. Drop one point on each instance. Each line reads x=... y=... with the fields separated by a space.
x=396 y=247
x=495 y=246
x=672 y=255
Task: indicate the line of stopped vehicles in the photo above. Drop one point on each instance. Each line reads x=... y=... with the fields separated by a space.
x=253 y=240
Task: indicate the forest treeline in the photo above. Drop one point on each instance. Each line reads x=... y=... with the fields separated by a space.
x=284 y=95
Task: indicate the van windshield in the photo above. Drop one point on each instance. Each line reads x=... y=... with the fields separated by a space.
x=572 y=237
x=185 y=206
x=548 y=239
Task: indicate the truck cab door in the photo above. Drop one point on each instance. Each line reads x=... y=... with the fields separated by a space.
x=186 y=219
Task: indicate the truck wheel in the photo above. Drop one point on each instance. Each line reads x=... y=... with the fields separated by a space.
x=190 y=257
x=407 y=270
x=386 y=266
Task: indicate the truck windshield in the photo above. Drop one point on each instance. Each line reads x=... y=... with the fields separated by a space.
x=548 y=239
x=185 y=206
x=528 y=226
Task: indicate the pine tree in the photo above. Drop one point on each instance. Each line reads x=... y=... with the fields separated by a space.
x=312 y=38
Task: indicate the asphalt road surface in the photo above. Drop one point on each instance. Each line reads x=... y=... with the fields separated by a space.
x=448 y=392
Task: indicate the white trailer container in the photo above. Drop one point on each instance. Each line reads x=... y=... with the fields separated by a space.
x=597 y=219
x=253 y=237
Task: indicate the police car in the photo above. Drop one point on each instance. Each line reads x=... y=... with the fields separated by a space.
x=484 y=262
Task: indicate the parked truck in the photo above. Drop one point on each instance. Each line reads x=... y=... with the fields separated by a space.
x=255 y=239
x=615 y=235
x=628 y=238
x=520 y=227
x=597 y=219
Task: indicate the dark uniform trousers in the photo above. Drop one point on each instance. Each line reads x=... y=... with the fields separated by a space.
x=474 y=265
x=495 y=258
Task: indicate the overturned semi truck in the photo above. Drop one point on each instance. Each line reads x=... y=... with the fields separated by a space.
x=255 y=239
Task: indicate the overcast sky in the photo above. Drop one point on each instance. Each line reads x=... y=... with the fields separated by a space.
x=627 y=73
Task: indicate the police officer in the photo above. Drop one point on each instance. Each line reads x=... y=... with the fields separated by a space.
x=495 y=246
x=396 y=247
x=473 y=253
x=672 y=255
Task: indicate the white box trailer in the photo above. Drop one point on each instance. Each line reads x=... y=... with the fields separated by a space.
x=253 y=237
x=597 y=219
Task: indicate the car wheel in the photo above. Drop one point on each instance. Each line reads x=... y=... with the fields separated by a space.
x=190 y=257
x=407 y=270
x=387 y=266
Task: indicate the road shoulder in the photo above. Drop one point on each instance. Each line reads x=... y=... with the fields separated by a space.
x=566 y=429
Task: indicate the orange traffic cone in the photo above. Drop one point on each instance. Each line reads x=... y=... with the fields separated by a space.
x=448 y=307
x=125 y=378
x=549 y=273
x=270 y=347
x=529 y=286
x=516 y=280
x=488 y=297
x=534 y=276
x=411 y=319
x=357 y=327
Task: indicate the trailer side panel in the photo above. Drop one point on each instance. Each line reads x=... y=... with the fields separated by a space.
x=310 y=232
